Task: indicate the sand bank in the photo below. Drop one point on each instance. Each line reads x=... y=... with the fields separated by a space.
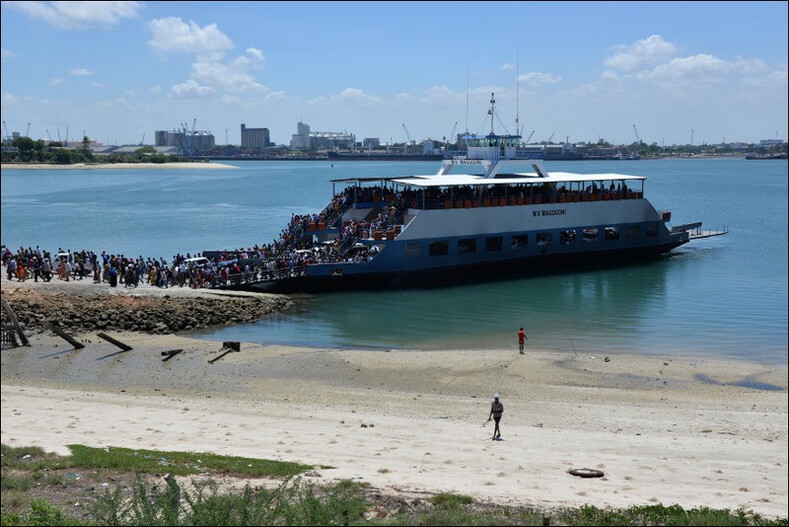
x=104 y=166
x=662 y=430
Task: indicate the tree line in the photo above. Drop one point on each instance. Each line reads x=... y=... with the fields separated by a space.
x=26 y=150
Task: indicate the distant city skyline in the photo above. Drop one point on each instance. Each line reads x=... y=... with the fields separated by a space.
x=669 y=72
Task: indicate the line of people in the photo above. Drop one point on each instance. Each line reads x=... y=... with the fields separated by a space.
x=38 y=264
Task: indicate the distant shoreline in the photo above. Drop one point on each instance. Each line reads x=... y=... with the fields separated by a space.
x=103 y=166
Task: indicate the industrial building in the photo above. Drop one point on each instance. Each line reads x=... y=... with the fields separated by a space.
x=187 y=141
x=254 y=138
x=301 y=139
x=304 y=139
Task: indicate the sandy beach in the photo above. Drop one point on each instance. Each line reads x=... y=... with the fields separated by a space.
x=102 y=166
x=663 y=430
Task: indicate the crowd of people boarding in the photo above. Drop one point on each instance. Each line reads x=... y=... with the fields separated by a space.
x=288 y=255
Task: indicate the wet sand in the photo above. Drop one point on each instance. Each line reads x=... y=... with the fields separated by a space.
x=663 y=430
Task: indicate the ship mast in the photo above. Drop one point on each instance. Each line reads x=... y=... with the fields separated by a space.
x=492 y=112
x=517 y=94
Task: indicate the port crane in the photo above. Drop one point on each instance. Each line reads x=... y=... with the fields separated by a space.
x=452 y=135
x=405 y=148
x=27 y=132
x=638 y=139
x=406 y=133
x=7 y=135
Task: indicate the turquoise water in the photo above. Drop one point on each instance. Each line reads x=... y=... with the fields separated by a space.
x=720 y=297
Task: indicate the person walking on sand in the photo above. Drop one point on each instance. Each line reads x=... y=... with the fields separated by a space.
x=496 y=409
x=521 y=340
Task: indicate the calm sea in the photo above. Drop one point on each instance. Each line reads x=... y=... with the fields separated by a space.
x=720 y=297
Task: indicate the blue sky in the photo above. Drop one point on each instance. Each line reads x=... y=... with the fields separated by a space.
x=117 y=70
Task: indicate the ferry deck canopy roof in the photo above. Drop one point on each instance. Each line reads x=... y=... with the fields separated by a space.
x=458 y=180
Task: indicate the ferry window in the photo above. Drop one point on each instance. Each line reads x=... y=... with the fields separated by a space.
x=439 y=248
x=612 y=233
x=519 y=240
x=494 y=244
x=633 y=231
x=567 y=237
x=544 y=239
x=467 y=246
x=411 y=249
x=590 y=235
x=652 y=230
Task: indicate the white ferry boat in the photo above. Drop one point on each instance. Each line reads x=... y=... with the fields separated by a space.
x=489 y=222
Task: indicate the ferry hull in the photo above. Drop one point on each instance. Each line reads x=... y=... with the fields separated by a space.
x=531 y=266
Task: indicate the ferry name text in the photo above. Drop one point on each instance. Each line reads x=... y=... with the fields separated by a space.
x=550 y=212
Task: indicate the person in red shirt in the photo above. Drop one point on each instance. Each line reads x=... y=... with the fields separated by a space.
x=522 y=340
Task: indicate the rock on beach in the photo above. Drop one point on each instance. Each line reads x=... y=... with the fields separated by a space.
x=80 y=308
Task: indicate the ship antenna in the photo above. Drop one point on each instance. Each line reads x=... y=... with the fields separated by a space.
x=466 y=98
x=517 y=92
x=491 y=112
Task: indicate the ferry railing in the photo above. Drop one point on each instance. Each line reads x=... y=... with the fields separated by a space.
x=698 y=233
x=256 y=277
x=333 y=217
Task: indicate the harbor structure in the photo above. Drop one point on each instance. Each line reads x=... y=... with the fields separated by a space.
x=255 y=138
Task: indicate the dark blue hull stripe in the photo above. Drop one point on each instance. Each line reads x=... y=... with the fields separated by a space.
x=535 y=265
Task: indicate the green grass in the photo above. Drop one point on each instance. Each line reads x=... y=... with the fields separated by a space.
x=39 y=512
x=662 y=515
x=147 y=461
x=446 y=500
x=179 y=463
x=291 y=501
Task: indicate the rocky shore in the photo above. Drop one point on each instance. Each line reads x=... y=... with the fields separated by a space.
x=85 y=307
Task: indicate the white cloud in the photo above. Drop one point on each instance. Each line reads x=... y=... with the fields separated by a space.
x=173 y=35
x=211 y=70
x=256 y=54
x=7 y=53
x=750 y=66
x=232 y=76
x=442 y=94
x=81 y=72
x=776 y=78
x=56 y=82
x=224 y=76
x=355 y=96
x=191 y=88
x=641 y=54
x=702 y=68
x=538 y=79
x=78 y=15
x=98 y=84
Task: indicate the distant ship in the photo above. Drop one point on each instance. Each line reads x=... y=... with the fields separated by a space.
x=381 y=156
x=767 y=156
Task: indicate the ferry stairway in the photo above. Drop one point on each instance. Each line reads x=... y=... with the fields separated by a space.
x=333 y=219
x=299 y=230
x=395 y=219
